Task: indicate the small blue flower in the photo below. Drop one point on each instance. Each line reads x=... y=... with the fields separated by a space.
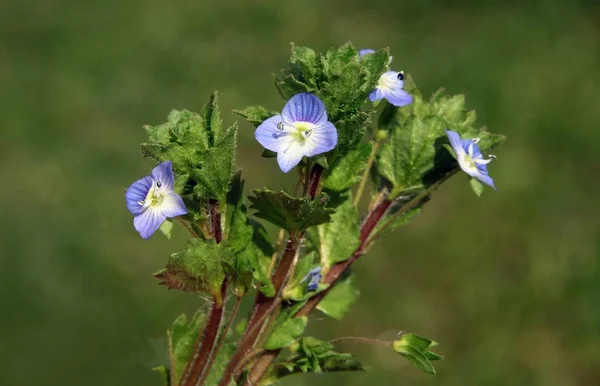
x=152 y=200
x=301 y=130
x=469 y=157
x=390 y=85
x=313 y=277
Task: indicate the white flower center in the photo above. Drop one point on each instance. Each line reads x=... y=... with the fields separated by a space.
x=154 y=197
x=302 y=131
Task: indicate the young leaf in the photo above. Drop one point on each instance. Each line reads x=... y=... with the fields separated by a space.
x=476 y=186
x=166 y=228
x=339 y=299
x=182 y=338
x=164 y=374
x=415 y=348
x=286 y=333
x=347 y=170
x=290 y=213
x=418 y=359
x=338 y=239
x=255 y=114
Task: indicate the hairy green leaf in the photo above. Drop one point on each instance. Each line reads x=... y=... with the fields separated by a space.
x=182 y=339
x=255 y=114
x=347 y=170
x=290 y=213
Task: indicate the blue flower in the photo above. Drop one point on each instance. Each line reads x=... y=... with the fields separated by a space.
x=301 y=130
x=152 y=199
x=469 y=157
x=313 y=277
x=390 y=85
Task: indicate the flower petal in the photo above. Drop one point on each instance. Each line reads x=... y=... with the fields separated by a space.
x=485 y=179
x=321 y=140
x=376 y=95
x=148 y=222
x=290 y=157
x=269 y=135
x=365 y=51
x=399 y=97
x=163 y=173
x=136 y=193
x=305 y=107
x=172 y=205
x=476 y=152
x=455 y=141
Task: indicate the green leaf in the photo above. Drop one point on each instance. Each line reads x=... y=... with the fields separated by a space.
x=255 y=114
x=418 y=341
x=290 y=213
x=199 y=268
x=166 y=228
x=418 y=359
x=238 y=230
x=336 y=240
x=347 y=169
x=202 y=153
x=286 y=333
x=304 y=66
x=182 y=340
x=339 y=299
x=476 y=186
x=218 y=367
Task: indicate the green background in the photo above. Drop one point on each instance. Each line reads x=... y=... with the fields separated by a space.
x=508 y=283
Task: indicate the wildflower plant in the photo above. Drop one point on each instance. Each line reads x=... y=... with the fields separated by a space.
x=290 y=253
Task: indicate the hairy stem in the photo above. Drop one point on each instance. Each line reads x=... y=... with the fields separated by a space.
x=196 y=368
x=187 y=226
x=263 y=305
x=365 y=176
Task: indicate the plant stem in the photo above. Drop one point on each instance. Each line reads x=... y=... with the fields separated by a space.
x=215 y=220
x=365 y=176
x=358 y=339
x=187 y=226
x=221 y=340
x=196 y=368
x=263 y=305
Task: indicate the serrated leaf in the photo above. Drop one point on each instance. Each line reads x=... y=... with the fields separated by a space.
x=213 y=124
x=290 y=213
x=339 y=299
x=182 y=340
x=476 y=186
x=199 y=268
x=238 y=230
x=286 y=333
x=347 y=169
x=336 y=240
x=255 y=114
x=304 y=65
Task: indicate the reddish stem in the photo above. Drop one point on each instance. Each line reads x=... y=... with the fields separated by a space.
x=215 y=220
x=196 y=367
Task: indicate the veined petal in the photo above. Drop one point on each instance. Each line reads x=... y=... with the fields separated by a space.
x=290 y=157
x=476 y=151
x=163 y=175
x=321 y=140
x=136 y=194
x=269 y=135
x=455 y=141
x=172 y=205
x=399 y=97
x=148 y=222
x=305 y=107
x=365 y=51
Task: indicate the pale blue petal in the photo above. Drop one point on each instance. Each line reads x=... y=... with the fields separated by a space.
x=454 y=138
x=314 y=276
x=172 y=205
x=148 y=222
x=365 y=51
x=376 y=95
x=322 y=139
x=465 y=144
x=486 y=180
x=305 y=107
x=163 y=175
x=270 y=137
x=476 y=151
x=399 y=97
x=289 y=157
x=136 y=193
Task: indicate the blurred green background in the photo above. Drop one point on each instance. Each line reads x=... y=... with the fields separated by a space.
x=509 y=284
